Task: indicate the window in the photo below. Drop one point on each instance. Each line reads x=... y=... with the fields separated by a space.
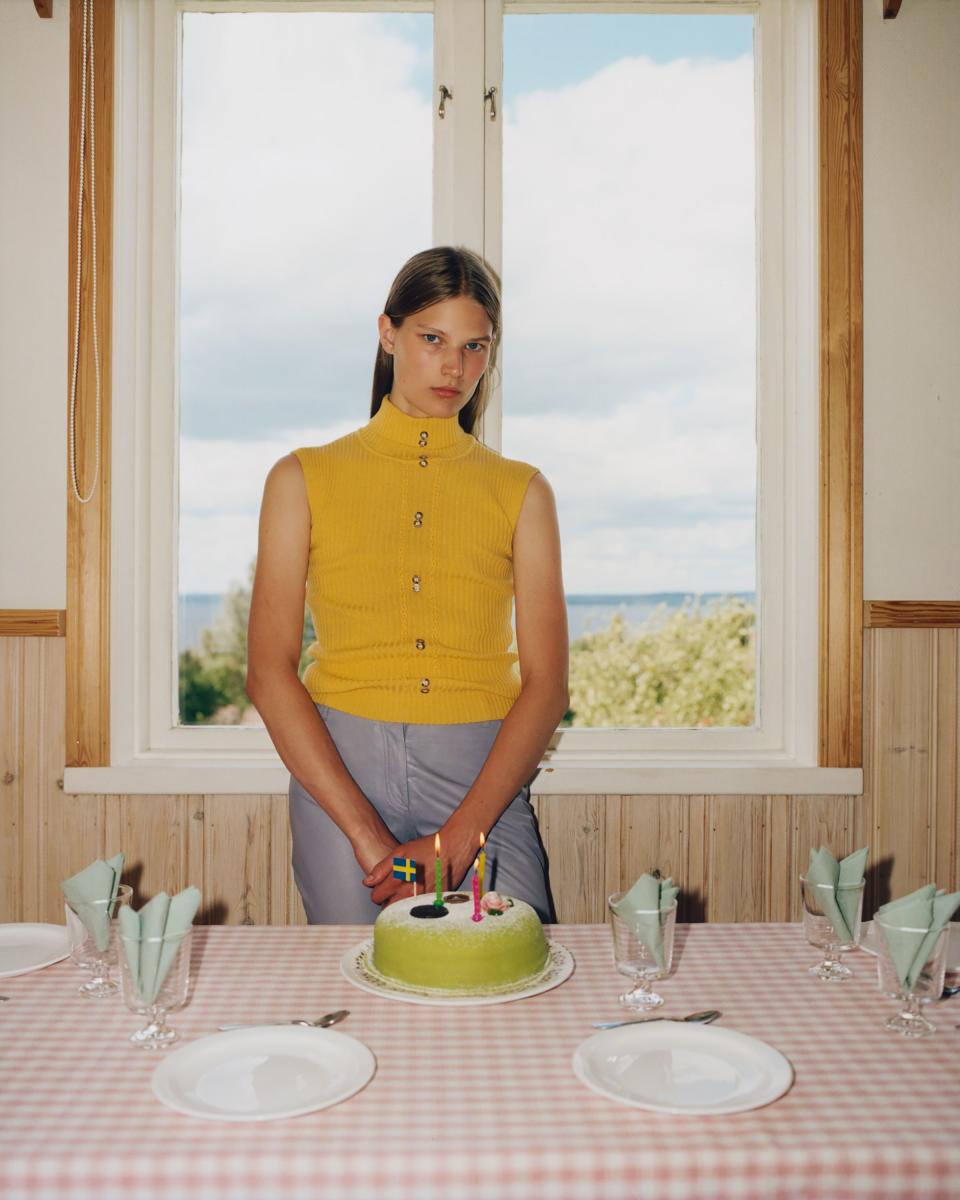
x=472 y=198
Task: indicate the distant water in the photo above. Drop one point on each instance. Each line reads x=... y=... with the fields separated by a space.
x=585 y=614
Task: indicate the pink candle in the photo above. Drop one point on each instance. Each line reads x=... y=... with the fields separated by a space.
x=476 y=892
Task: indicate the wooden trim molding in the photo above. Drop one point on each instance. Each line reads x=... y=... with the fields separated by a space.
x=911 y=614
x=88 y=525
x=841 y=382
x=32 y=622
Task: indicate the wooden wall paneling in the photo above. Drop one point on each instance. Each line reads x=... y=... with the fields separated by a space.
x=652 y=837
x=88 y=525
x=574 y=832
x=237 y=888
x=904 y=667
x=864 y=818
x=819 y=821
x=280 y=869
x=737 y=858
x=152 y=831
x=780 y=875
x=841 y=381
x=614 y=879
x=11 y=780
x=945 y=828
x=693 y=898
x=62 y=833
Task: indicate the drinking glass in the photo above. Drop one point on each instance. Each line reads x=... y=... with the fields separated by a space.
x=818 y=927
x=84 y=950
x=909 y=1021
x=632 y=956
x=172 y=994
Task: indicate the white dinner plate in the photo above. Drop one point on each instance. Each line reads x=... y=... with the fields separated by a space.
x=357 y=966
x=263 y=1074
x=868 y=942
x=671 y=1067
x=25 y=947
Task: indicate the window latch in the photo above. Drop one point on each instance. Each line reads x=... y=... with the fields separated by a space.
x=491 y=95
x=445 y=95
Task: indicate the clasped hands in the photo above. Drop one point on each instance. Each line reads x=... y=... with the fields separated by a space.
x=457 y=852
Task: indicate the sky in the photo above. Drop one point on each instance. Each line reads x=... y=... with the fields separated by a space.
x=629 y=277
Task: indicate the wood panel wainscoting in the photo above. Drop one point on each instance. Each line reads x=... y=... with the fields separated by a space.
x=736 y=857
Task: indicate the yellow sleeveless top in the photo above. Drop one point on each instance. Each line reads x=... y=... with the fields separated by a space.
x=410 y=576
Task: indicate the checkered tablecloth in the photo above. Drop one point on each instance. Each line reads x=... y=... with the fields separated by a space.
x=482 y=1101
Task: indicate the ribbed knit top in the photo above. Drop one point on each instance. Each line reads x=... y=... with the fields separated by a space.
x=410 y=576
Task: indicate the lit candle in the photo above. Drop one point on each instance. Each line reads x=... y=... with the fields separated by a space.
x=436 y=847
x=483 y=861
x=476 y=891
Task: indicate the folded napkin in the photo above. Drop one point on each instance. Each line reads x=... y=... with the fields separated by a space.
x=642 y=908
x=152 y=937
x=919 y=919
x=87 y=891
x=841 y=902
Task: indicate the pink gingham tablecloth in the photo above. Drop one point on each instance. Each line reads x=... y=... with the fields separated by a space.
x=482 y=1100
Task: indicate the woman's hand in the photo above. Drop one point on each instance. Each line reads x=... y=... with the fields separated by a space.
x=456 y=857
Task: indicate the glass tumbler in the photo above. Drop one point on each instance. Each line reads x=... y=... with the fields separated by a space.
x=819 y=899
x=927 y=986
x=635 y=946
x=168 y=957
x=87 y=949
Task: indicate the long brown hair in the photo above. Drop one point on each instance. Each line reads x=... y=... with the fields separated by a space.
x=441 y=273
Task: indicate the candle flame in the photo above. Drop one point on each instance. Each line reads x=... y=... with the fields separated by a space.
x=483 y=841
x=436 y=844
x=476 y=864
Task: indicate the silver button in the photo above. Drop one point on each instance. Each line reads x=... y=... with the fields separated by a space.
x=423 y=437
x=416 y=583
x=417 y=520
x=421 y=644
x=424 y=685
x=423 y=460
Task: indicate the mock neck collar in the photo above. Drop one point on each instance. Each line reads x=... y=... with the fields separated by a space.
x=399 y=435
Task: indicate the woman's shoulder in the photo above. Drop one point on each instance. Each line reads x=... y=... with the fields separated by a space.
x=513 y=468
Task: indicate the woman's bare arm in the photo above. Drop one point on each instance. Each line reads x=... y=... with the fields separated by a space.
x=273 y=656
x=542 y=646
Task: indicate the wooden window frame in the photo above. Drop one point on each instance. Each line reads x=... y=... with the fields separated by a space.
x=841 y=402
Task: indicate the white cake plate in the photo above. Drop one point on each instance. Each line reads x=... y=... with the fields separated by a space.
x=357 y=966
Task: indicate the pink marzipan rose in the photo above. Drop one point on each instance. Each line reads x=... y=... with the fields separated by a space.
x=493 y=902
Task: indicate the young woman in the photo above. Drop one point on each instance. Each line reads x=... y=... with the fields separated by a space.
x=413 y=541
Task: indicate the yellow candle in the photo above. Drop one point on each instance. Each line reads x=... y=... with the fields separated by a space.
x=482 y=861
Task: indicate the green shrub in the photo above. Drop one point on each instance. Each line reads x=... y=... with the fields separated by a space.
x=693 y=668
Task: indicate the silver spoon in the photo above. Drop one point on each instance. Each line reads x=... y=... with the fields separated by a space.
x=330 y=1018
x=698 y=1018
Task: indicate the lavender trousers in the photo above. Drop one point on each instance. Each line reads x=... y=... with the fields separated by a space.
x=415 y=776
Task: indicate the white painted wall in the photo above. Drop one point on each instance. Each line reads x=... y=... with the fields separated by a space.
x=911 y=302
x=33 y=304
x=911 y=314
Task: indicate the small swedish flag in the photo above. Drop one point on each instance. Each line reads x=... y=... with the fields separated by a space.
x=404 y=868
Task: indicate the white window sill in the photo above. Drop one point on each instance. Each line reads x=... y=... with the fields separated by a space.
x=230 y=776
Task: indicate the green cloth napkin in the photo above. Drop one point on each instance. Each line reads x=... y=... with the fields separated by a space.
x=919 y=918
x=841 y=903
x=149 y=957
x=86 y=892
x=640 y=906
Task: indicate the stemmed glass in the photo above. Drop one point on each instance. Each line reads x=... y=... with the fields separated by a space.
x=634 y=958
x=928 y=985
x=172 y=993
x=818 y=900
x=84 y=950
